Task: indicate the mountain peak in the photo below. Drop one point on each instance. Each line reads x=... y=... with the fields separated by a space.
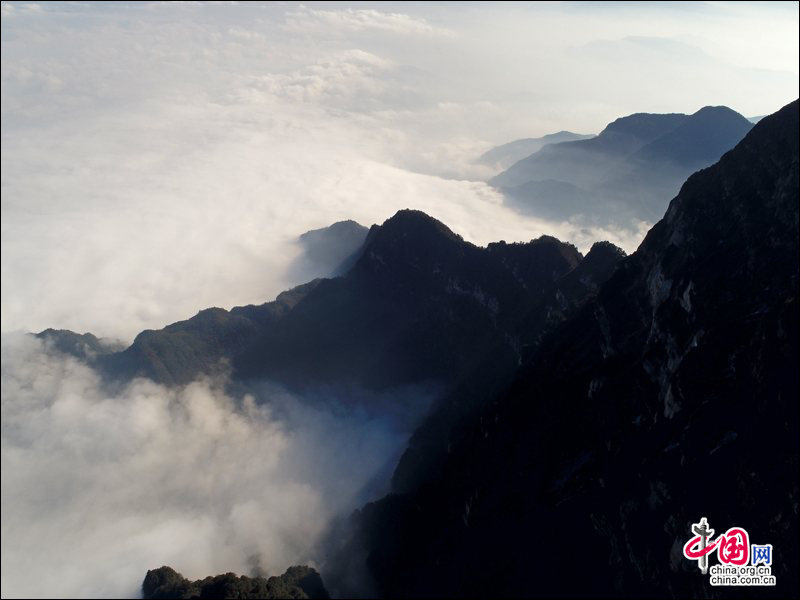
x=605 y=249
x=546 y=239
x=411 y=226
x=644 y=126
x=85 y=346
x=701 y=139
x=344 y=227
x=410 y=239
x=409 y=219
x=720 y=117
x=330 y=251
x=716 y=110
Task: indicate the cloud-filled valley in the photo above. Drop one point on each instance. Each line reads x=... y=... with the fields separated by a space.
x=99 y=484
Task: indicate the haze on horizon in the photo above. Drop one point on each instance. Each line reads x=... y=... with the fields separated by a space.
x=161 y=157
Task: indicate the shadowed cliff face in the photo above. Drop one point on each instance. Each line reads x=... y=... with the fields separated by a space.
x=670 y=396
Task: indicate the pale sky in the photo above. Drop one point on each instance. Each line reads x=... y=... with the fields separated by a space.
x=159 y=158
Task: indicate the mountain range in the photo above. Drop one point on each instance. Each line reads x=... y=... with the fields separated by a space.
x=593 y=407
x=505 y=155
x=629 y=171
x=418 y=304
x=669 y=396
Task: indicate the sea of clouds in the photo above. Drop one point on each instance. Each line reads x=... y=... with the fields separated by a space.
x=159 y=158
x=101 y=484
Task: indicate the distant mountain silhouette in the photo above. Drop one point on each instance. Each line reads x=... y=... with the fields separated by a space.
x=700 y=139
x=329 y=251
x=505 y=155
x=630 y=171
x=618 y=140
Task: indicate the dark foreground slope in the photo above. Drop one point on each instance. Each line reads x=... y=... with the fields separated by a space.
x=296 y=582
x=669 y=397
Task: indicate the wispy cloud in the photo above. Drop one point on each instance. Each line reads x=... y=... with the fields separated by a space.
x=308 y=20
x=347 y=79
x=20 y=8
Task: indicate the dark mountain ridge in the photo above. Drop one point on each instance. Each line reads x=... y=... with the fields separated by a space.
x=668 y=396
x=296 y=582
x=419 y=304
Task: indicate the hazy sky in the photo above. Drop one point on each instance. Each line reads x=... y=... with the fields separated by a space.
x=160 y=157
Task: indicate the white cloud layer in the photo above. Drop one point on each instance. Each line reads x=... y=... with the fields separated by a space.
x=120 y=219
x=306 y=20
x=117 y=233
x=100 y=487
x=158 y=158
